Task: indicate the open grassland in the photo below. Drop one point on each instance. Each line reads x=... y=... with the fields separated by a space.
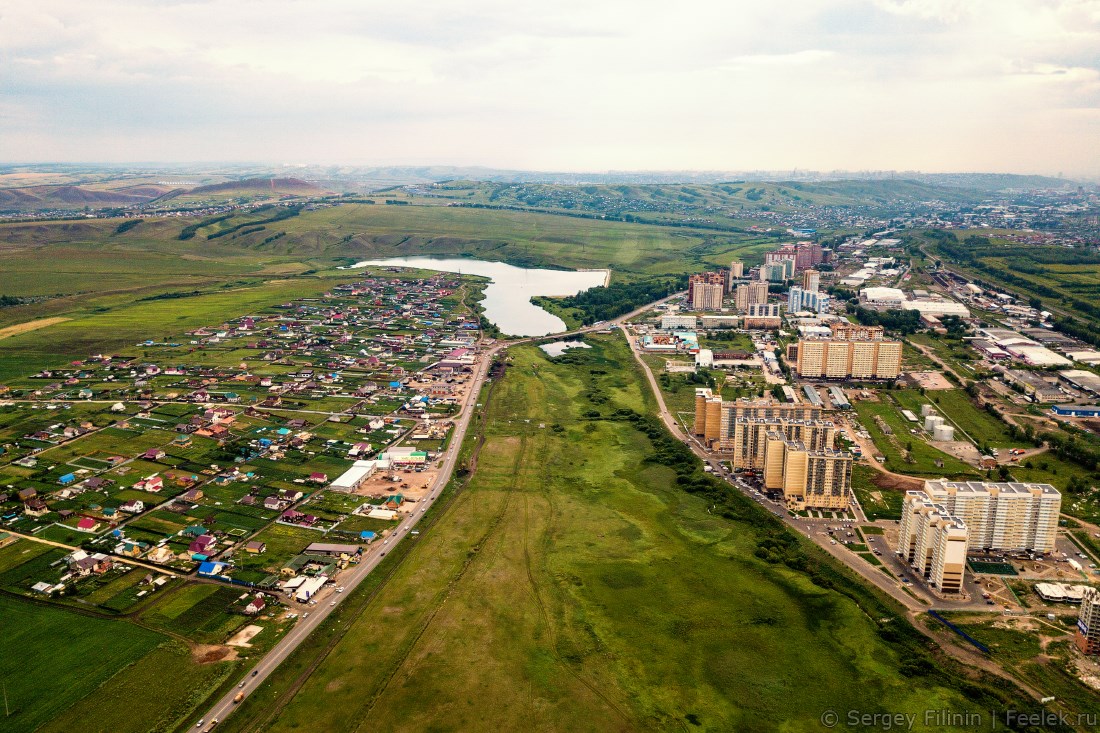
x=66 y=671
x=906 y=452
x=574 y=586
x=115 y=289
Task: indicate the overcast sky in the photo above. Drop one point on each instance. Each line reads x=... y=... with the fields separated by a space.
x=932 y=85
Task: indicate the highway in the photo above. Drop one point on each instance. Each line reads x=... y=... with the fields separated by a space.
x=350 y=579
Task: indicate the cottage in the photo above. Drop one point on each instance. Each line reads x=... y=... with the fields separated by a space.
x=137 y=506
x=35 y=508
x=256 y=605
x=255 y=547
x=202 y=544
x=87 y=524
x=153 y=454
x=192 y=495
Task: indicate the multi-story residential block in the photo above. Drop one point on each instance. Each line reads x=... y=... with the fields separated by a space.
x=832 y=359
x=847 y=331
x=707 y=297
x=762 y=315
x=799 y=299
x=715 y=419
x=737 y=270
x=933 y=542
x=709 y=278
x=750 y=294
x=809 y=479
x=1002 y=516
x=811 y=280
x=1087 y=637
x=747 y=437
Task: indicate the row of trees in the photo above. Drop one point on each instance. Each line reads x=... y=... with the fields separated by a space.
x=603 y=304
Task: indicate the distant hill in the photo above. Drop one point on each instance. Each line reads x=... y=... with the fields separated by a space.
x=59 y=197
x=281 y=186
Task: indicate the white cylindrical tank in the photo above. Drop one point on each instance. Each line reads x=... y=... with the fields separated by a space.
x=926 y=410
x=931 y=421
x=943 y=432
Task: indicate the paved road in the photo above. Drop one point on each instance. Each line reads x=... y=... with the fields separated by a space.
x=352 y=577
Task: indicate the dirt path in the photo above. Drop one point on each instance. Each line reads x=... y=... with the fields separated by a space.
x=28 y=326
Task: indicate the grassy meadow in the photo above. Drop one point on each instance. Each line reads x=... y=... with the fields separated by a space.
x=574 y=584
x=91 y=288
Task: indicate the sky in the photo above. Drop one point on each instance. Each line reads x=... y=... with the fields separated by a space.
x=562 y=85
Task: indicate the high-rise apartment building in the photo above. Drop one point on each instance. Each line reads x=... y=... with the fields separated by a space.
x=933 y=541
x=712 y=278
x=831 y=359
x=809 y=478
x=746 y=437
x=750 y=294
x=811 y=280
x=847 y=331
x=707 y=297
x=1087 y=637
x=799 y=299
x=737 y=270
x=1002 y=516
x=777 y=270
x=715 y=419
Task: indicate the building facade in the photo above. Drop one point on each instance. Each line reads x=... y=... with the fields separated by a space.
x=707 y=297
x=750 y=294
x=1002 y=516
x=809 y=478
x=1087 y=637
x=933 y=542
x=832 y=359
x=800 y=299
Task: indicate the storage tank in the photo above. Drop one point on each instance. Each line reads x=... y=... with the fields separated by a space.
x=931 y=421
x=943 y=432
x=926 y=410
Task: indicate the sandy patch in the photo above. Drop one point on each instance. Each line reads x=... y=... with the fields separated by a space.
x=245 y=635
x=210 y=653
x=30 y=326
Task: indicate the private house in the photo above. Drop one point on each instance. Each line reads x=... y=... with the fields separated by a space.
x=255 y=547
x=274 y=503
x=192 y=495
x=35 y=508
x=137 y=506
x=87 y=524
x=203 y=544
x=256 y=605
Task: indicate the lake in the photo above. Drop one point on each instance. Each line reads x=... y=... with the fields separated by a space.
x=508 y=295
x=557 y=348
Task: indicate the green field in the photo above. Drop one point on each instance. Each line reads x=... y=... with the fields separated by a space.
x=66 y=671
x=575 y=584
x=923 y=459
x=224 y=277
x=877 y=502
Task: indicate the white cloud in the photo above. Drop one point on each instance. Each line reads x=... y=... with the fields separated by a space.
x=581 y=84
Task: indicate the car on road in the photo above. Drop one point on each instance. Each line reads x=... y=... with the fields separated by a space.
x=332 y=604
x=199 y=724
